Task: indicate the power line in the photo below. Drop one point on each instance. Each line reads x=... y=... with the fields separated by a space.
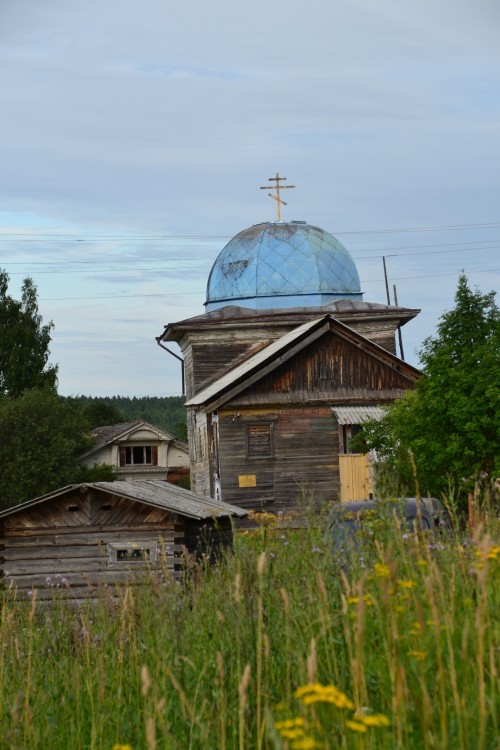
x=386 y=252
x=177 y=294
x=81 y=237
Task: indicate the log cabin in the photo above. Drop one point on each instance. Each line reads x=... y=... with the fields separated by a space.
x=83 y=538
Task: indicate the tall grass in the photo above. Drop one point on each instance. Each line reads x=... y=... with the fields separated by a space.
x=283 y=644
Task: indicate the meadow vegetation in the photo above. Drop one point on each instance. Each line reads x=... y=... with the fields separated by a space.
x=285 y=644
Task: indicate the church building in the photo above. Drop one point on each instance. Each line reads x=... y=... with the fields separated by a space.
x=284 y=365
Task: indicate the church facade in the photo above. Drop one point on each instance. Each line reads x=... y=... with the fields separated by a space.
x=282 y=368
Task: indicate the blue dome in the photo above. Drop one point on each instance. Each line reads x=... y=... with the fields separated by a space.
x=279 y=265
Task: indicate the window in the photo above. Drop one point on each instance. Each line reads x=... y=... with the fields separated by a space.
x=131 y=552
x=259 y=440
x=348 y=432
x=139 y=455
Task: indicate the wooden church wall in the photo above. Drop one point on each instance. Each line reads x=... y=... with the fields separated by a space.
x=331 y=369
x=302 y=460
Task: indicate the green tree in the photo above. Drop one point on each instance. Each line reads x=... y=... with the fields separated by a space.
x=42 y=439
x=448 y=426
x=24 y=342
x=99 y=412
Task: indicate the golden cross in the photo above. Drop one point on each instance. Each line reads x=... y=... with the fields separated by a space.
x=277 y=187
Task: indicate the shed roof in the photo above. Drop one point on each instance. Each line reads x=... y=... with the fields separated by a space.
x=151 y=492
x=358 y=414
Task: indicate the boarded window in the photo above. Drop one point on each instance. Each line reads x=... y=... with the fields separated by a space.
x=259 y=439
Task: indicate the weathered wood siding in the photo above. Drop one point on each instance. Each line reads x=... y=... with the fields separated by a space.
x=208 y=353
x=199 y=452
x=64 y=543
x=330 y=369
x=304 y=464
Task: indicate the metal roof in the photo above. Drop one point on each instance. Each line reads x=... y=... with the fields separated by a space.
x=155 y=493
x=358 y=414
x=278 y=264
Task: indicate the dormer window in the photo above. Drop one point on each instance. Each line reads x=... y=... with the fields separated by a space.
x=139 y=455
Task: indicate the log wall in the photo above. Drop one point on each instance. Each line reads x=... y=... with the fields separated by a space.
x=63 y=545
x=304 y=466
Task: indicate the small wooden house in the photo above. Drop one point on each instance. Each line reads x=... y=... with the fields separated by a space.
x=83 y=537
x=139 y=450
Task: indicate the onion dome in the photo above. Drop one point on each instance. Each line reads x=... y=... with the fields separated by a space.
x=280 y=265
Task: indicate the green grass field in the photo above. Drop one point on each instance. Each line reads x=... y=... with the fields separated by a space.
x=280 y=645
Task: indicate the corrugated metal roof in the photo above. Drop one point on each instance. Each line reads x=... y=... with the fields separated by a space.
x=246 y=367
x=151 y=492
x=358 y=414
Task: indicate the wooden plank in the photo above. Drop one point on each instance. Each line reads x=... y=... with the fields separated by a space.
x=70 y=552
x=355 y=478
x=85 y=533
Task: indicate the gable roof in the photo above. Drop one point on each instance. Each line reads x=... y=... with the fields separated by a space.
x=111 y=433
x=280 y=350
x=154 y=493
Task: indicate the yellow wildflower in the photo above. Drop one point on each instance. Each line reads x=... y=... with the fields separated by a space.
x=372 y=720
x=367 y=599
x=422 y=563
x=122 y=747
x=493 y=553
x=298 y=721
x=356 y=726
x=292 y=734
x=305 y=743
x=407 y=584
x=311 y=687
x=420 y=655
x=381 y=570
x=317 y=693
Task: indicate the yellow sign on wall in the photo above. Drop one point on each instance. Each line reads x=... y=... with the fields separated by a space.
x=247 y=480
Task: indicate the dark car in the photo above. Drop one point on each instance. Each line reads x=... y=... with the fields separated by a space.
x=347 y=521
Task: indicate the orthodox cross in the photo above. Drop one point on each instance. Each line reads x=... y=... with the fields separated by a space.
x=277 y=187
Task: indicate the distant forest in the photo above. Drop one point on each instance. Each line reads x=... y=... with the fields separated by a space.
x=167 y=412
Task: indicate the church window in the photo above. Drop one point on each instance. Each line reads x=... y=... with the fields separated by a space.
x=259 y=440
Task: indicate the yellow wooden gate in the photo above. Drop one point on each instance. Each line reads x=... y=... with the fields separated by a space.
x=355 y=477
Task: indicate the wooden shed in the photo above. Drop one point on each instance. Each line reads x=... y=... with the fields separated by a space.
x=83 y=537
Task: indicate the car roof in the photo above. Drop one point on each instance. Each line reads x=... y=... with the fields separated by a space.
x=409 y=504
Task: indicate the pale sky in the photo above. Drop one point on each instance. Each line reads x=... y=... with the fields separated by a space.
x=135 y=137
